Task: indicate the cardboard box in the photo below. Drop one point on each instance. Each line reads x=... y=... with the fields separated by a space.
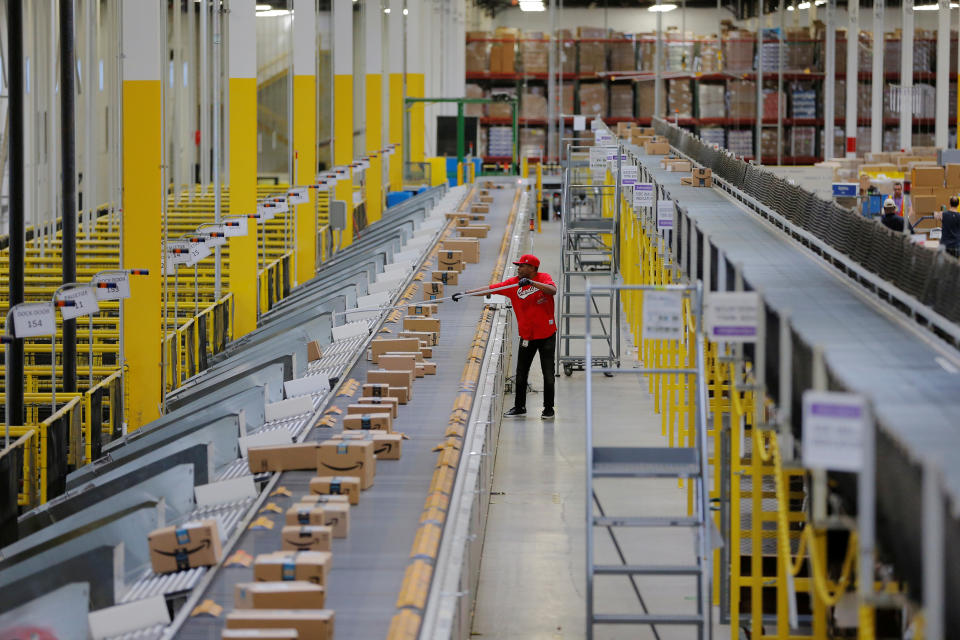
x=451 y=261
x=413 y=323
x=316 y=624
x=338 y=486
x=259 y=634
x=432 y=290
x=446 y=277
x=681 y=166
x=306 y=537
x=486 y=199
x=295 y=594
x=326 y=499
x=282 y=457
x=425 y=310
x=702 y=173
x=924 y=205
x=952 y=175
x=474 y=231
x=380 y=346
x=479 y=208
x=314 y=351
x=375 y=390
x=367 y=421
x=387 y=403
x=420 y=370
x=375 y=405
x=417 y=356
x=310 y=566
x=469 y=246
x=392 y=378
x=430 y=338
x=927 y=177
x=387 y=446
x=429 y=368
x=348 y=458
x=304 y=513
x=426 y=352
x=184 y=546
x=402 y=394
x=657 y=148
x=337 y=517
x=399 y=362
x=690 y=181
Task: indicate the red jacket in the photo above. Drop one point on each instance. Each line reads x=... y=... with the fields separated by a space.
x=533 y=307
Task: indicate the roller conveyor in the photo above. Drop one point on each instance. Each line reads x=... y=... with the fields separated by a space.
x=910 y=376
x=369 y=565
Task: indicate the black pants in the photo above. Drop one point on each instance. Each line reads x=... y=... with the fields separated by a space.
x=546 y=347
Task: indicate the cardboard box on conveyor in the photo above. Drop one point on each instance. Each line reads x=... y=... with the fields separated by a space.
x=379 y=346
x=469 y=246
x=338 y=486
x=306 y=537
x=312 y=566
x=446 y=277
x=282 y=457
x=315 y=624
x=432 y=290
x=259 y=634
x=388 y=403
x=366 y=417
x=185 y=546
x=387 y=446
x=294 y=594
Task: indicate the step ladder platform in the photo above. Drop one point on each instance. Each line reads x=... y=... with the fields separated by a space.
x=649 y=521
x=645 y=462
x=646 y=570
x=626 y=618
x=592 y=225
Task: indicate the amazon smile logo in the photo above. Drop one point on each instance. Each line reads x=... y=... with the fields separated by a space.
x=358 y=465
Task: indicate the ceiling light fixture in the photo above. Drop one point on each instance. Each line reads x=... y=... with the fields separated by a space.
x=273 y=13
x=264 y=7
x=532 y=5
x=662 y=8
x=406 y=12
x=932 y=7
x=387 y=10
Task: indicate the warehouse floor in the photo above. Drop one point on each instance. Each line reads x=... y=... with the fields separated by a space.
x=532 y=573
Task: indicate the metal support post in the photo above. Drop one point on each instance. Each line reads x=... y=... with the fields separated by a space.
x=14 y=351
x=68 y=168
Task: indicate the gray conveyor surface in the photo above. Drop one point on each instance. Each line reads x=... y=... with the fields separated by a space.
x=913 y=395
x=368 y=566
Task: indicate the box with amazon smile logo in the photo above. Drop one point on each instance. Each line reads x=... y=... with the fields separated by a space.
x=352 y=458
x=185 y=546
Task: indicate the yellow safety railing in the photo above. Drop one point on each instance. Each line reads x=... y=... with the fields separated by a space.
x=274 y=282
x=26 y=446
x=97 y=415
x=189 y=346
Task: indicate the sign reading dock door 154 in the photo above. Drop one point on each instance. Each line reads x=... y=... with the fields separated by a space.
x=34 y=319
x=732 y=316
x=833 y=428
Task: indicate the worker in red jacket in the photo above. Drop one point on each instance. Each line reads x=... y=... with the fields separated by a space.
x=533 y=305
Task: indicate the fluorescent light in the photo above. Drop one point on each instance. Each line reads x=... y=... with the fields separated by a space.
x=406 y=12
x=272 y=13
x=819 y=3
x=790 y=8
x=264 y=7
x=803 y=5
x=663 y=8
x=532 y=5
x=387 y=10
x=933 y=7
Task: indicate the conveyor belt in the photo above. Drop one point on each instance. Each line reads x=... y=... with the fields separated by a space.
x=911 y=379
x=368 y=566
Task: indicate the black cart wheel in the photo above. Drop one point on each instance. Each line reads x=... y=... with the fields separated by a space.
x=567 y=370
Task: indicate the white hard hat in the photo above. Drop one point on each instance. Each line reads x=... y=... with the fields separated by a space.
x=889 y=204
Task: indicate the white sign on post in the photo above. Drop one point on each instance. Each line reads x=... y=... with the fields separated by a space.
x=732 y=316
x=280 y=205
x=119 y=291
x=298 y=195
x=212 y=241
x=598 y=158
x=34 y=319
x=602 y=136
x=628 y=175
x=665 y=214
x=643 y=195
x=198 y=251
x=833 y=428
x=231 y=231
x=579 y=123
x=84 y=302
x=662 y=315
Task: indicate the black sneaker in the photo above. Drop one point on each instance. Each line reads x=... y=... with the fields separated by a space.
x=516 y=411
x=547 y=414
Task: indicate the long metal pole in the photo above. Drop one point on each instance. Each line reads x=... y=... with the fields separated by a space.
x=829 y=83
x=942 y=127
x=552 y=119
x=876 y=79
x=853 y=38
x=90 y=126
x=217 y=269
x=906 y=76
x=68 y=166
x=658 y=71
x=14 y=354
x=758 y=128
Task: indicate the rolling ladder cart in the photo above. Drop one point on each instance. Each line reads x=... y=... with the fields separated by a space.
x=589 y=252
x=619 y=463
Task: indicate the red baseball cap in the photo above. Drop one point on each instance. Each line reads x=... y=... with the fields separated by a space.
x=530 y=259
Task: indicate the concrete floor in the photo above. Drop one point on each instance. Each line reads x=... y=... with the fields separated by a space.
x=532 y=574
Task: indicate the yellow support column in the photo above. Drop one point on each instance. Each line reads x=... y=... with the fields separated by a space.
x=395 y=99
x=142 y=206
x=343 y=107
x=305 y=133
x=242 y=62
x=416 y=14
x=373 y=18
